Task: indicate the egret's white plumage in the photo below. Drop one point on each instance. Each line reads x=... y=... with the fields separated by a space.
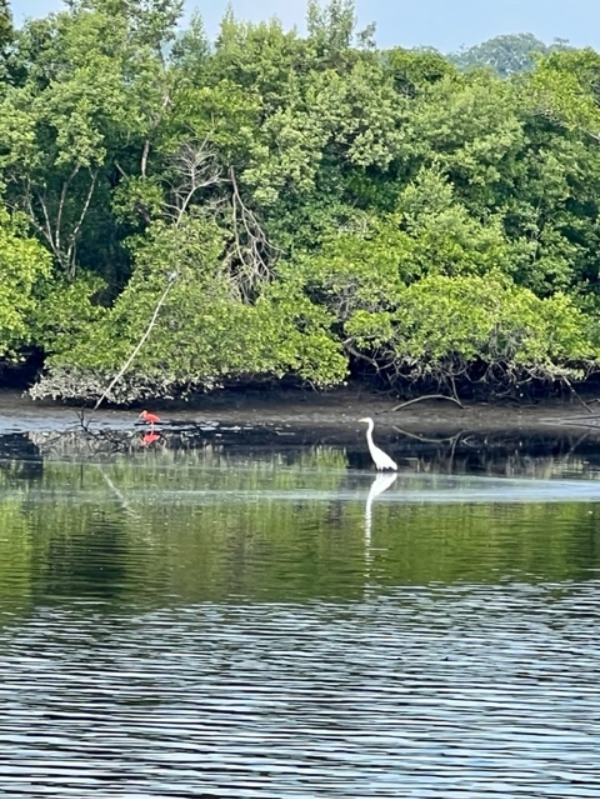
x=380 y=459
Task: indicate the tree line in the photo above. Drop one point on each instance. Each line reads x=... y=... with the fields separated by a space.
x=306 y=208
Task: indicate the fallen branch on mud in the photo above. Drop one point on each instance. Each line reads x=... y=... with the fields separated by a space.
x=428 y=397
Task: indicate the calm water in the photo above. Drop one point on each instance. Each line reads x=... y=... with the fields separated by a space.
x=250 y=615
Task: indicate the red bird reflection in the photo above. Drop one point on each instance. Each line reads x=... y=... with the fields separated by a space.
x=149 y=418
x=149 y=438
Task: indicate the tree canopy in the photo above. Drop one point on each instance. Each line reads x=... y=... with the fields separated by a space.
x=323 y=209
x=507 y=54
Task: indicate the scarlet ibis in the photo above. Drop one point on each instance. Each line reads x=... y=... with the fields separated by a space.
x=151 y=418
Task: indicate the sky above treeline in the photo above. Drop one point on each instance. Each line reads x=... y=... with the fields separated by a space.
x=446 y=25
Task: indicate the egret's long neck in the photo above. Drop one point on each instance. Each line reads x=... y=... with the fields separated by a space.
x=370 y=428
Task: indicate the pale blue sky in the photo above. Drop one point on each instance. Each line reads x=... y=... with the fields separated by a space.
x=444 y=24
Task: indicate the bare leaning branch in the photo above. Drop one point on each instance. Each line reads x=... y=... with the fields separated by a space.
x=171 y=282
x=195 y=167
x=61 y=207
x=48 y=218
x=74 y=236
x=252 y=254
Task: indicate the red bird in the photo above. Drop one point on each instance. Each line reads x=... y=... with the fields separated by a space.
x=151 y=418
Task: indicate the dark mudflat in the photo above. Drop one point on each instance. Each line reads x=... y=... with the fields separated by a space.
x=337 y=409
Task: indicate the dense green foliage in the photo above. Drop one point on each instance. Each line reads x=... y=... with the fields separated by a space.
x=321 y=208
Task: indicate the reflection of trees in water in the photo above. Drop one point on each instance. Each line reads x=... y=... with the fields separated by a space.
x=92 y=560
x=541 y=454
x=105 y=530
x=20 y=459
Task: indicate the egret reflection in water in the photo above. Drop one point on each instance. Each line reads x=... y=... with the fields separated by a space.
x=380 y=484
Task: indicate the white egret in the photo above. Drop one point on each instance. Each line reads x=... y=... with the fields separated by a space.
x=380 y=459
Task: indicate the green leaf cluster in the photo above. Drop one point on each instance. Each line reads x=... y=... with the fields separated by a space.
x=24 y=267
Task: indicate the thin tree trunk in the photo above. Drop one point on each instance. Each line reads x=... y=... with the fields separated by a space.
x=138 y=346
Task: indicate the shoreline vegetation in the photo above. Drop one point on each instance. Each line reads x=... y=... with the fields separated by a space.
x=180 y=216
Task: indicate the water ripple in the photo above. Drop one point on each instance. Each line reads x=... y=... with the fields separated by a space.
x=467 y=691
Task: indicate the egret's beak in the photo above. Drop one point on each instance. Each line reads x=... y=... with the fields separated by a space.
x=362 y=420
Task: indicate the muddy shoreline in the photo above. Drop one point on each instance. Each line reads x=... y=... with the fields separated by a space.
x=337 y=409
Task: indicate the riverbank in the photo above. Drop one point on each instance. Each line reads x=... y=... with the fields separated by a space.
x=338 y=409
